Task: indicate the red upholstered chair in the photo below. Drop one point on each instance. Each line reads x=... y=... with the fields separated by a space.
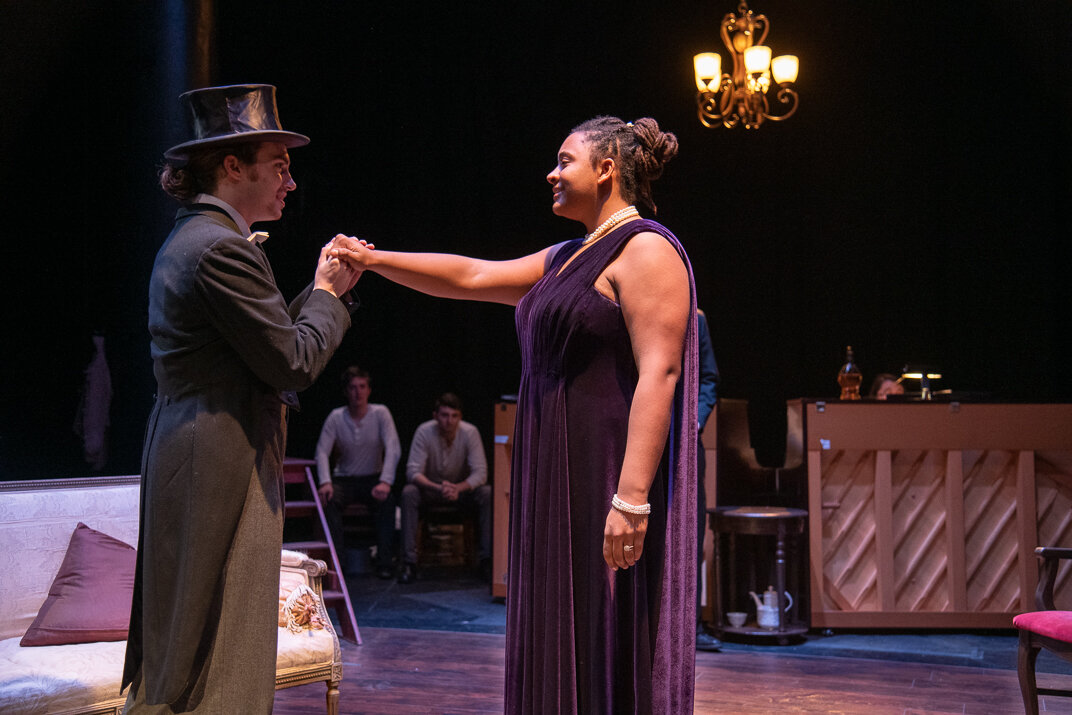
x=1045 y=628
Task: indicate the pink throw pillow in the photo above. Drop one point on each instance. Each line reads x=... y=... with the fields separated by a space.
x=89 y=599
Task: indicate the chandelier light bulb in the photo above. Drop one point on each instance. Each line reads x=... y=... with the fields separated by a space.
x=708 y=71
x=784 y=68
x=757 y=58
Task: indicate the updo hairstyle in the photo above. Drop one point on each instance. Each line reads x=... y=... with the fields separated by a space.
x=639 y=149
x=185 y=179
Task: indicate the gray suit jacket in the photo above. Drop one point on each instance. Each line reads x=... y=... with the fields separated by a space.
x=226 y=350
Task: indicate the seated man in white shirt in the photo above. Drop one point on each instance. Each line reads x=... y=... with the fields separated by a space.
x=362 y=441
x=446 y=466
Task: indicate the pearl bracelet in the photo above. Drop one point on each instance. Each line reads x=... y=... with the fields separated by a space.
x=627 y=508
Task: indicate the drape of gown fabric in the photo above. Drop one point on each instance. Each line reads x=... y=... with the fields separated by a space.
x=580 y=637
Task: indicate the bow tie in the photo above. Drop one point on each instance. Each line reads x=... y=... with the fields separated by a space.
x=257 y=237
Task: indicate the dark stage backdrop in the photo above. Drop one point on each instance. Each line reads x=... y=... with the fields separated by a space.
x=916 y=207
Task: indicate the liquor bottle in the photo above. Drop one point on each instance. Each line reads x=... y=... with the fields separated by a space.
x=849 y=377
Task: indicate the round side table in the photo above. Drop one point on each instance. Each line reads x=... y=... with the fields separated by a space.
x=743 y=521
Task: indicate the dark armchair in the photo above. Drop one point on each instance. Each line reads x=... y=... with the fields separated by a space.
x=1045 y=628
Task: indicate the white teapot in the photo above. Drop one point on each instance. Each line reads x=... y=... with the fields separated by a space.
x=767 y=609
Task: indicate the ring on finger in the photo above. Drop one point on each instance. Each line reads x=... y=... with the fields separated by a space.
x=627 y=547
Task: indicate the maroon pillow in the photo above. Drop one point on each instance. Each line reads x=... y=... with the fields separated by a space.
x=90 y=597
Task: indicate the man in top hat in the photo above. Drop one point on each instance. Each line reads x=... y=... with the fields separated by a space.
x=228 y=353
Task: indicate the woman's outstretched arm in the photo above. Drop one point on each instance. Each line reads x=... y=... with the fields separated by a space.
x=450 y=276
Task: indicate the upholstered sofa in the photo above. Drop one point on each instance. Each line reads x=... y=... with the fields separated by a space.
x=38 y=521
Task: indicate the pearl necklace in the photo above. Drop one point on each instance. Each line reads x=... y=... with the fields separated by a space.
x=610 y=224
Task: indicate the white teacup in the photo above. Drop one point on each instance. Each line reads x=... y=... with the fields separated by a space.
x=736 y=618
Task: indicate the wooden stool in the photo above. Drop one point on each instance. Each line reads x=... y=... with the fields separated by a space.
x=777 y=521
x=446 y=536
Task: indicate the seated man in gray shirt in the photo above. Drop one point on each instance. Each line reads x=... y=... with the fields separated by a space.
x=446 y=466
x=362 y=440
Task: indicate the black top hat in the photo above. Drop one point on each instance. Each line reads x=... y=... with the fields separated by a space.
x=237 y=113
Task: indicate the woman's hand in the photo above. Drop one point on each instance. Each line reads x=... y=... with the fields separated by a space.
x=333 y=274
x=353 y=250
x=622 y=531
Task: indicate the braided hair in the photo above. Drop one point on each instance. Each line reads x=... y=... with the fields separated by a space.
x=639 y=148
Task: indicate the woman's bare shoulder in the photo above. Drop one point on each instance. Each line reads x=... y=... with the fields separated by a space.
x=648 y=248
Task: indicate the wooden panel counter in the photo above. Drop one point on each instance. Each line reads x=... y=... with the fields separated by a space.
x=926 y=514
x=502 y=455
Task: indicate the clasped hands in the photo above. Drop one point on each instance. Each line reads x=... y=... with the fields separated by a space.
x=450 y=491
x=380 y=492
x=354 y=251
x=342 y=261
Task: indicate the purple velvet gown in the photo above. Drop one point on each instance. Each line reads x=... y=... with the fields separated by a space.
x=580 y=637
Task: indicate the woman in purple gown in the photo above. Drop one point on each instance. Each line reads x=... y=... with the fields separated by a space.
x=601 y=587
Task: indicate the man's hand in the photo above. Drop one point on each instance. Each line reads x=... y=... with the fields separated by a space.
x=451 y=491
x=326 y=492
x=381 y=491
x=334 y=275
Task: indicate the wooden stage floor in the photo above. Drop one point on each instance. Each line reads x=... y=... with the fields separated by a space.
x=412 y=672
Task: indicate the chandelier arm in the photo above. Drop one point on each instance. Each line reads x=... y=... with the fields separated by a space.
x=712 y=108
x=733 y=105
x=786 y=95
x=729 y=22
x=729 y=95
x=755 y=110
x=705 y=109
x=756 y=20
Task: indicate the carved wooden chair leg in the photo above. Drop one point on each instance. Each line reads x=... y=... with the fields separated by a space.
x=1025 y=668
x=333 y=697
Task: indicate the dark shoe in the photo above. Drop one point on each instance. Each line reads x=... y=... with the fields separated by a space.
x=706 y=641
x=385 y=572
x=409 y=574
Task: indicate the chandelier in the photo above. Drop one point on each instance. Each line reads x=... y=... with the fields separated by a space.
x=741 y=97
